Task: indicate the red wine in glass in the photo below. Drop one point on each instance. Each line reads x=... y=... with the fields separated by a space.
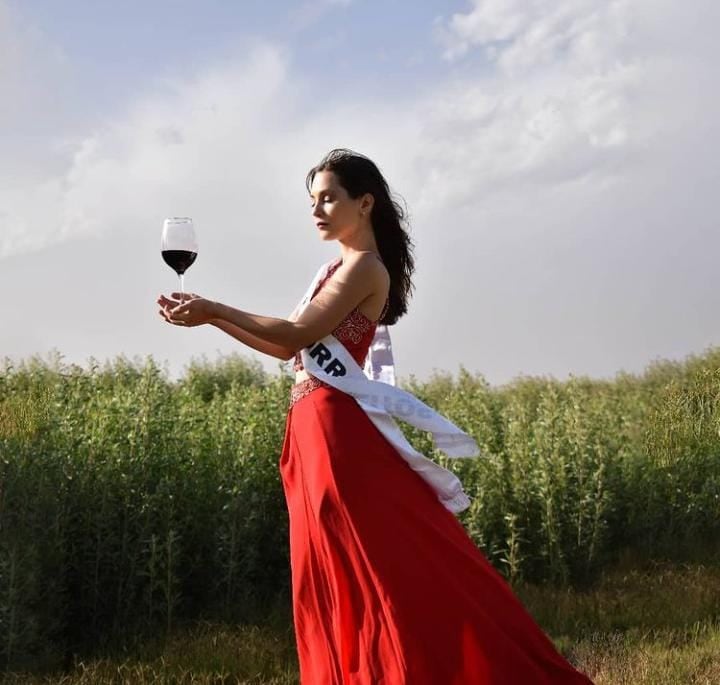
x=179 y=260
x=179 y=246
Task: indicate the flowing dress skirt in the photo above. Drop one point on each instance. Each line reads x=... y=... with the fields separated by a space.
x=387 y=586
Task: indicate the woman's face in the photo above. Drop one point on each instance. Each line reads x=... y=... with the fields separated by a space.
x=335 y=213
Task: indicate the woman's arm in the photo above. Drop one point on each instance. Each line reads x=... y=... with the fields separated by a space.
x=352 y=283
x=253 y=341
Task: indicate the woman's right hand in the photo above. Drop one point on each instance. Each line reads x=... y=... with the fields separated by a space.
x=167 y=304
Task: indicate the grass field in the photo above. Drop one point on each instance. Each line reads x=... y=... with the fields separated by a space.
x=131 y=505
x=657 y=625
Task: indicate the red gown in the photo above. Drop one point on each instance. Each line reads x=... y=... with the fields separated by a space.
x=387 y=586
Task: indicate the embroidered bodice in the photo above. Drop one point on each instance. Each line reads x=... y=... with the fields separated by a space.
x=355 y=332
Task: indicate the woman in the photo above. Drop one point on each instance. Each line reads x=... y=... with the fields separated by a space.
x=388 y=588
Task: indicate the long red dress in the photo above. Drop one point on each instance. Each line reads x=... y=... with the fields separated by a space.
x=387 y=586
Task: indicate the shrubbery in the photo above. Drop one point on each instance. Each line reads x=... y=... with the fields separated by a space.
x=129 y=503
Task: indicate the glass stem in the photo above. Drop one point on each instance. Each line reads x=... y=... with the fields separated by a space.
x=182 y=287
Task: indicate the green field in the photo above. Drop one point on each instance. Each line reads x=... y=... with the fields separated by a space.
x=143 y=531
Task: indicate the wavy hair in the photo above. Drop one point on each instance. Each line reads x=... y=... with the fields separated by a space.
x=359 y=175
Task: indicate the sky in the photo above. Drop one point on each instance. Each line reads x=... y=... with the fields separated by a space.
x=558 y=159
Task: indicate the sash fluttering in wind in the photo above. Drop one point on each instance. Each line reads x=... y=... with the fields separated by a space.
x=374 y=390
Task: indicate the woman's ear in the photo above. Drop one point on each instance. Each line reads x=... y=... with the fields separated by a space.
x=366 y=204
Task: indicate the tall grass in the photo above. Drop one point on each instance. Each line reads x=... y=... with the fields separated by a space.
x=130 y=504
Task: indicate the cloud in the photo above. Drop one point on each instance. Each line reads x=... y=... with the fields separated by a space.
x=194 y=138
x=575 y=91
x=523 y=34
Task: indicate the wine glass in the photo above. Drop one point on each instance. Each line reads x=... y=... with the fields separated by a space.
x=179 y=246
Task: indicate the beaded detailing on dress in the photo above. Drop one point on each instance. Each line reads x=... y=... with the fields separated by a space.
x=299 y=390
x=353 y=327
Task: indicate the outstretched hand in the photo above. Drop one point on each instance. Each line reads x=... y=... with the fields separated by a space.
x=186 y=310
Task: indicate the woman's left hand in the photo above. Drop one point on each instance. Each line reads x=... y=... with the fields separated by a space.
x=190 y=310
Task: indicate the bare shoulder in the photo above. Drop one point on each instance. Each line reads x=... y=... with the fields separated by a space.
x=367 y=267
x=367 y=281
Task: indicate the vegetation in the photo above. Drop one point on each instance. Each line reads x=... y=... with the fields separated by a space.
x=132 y=506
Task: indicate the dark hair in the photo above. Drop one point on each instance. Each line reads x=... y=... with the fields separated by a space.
x=359 y=175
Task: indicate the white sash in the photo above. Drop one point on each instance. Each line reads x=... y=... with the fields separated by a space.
x=329 y=360
x=379 y=364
